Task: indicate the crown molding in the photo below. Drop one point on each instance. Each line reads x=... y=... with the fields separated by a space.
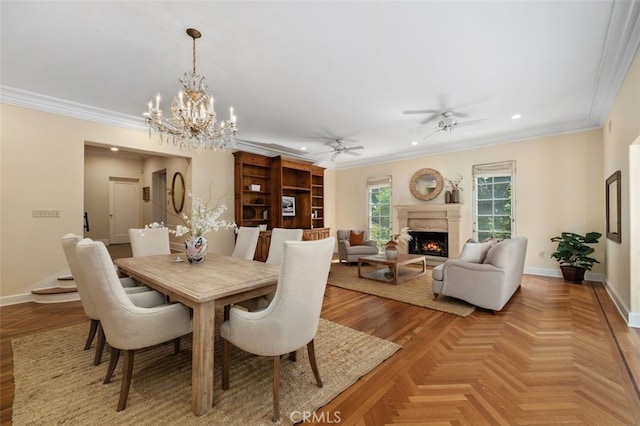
x=39 y=102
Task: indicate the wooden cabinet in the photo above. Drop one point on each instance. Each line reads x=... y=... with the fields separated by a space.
x=252 y=190
x=278 y=177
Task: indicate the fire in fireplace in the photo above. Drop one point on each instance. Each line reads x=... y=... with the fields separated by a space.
x=429 y=243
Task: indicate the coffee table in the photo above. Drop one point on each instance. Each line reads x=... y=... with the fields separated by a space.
x=393 y=274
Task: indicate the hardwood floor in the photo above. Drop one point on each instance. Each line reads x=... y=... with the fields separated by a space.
x=557 y=353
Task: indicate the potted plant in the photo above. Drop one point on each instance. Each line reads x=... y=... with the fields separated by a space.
x=573 y=254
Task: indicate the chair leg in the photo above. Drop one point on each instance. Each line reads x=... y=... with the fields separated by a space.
x=97 y=359
x=93 y=327
x=312 y=360
x=276 y=388
x=115 y=354
x=226 y=355
x=126 y=379
x=176 y=345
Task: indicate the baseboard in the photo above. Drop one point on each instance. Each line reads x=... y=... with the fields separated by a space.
x=622 y=308
x=15 y=299
x=634 y=320
x=556 y=273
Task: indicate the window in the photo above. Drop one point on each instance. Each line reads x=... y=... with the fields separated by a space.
x=493 y=197
x=379 y=208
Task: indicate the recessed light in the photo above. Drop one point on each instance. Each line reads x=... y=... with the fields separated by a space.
x=114 y=149
x=304 y=148
x=516 y=116
x=414 y=143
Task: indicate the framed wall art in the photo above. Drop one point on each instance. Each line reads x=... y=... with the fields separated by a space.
x=288 y=206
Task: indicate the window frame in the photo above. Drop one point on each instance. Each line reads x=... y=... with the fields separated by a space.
x=498 y=169
x=376 y=183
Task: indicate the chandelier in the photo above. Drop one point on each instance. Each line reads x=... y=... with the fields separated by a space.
x=193 y=124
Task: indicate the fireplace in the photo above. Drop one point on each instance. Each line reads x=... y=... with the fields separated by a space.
x=429 y=243
x=433 y=218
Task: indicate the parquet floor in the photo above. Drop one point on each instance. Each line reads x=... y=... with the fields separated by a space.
x=557 y=354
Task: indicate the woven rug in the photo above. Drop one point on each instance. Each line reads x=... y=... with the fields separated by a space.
x=417 y=291
x=56 y=382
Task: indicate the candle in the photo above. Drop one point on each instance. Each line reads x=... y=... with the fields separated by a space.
x=158 y=101
x=180 y=100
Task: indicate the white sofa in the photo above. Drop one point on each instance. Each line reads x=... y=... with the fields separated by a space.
x=486 y=274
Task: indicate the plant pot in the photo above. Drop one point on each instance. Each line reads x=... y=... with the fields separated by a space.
x=573 y=274
x=391 y=250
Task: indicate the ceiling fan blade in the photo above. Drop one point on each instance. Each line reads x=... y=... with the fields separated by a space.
x=470 y=123
x=333 y=157
x=430 y=118
x=432 y=133
x=354 y=147
x=422 y=111
x=357 y=154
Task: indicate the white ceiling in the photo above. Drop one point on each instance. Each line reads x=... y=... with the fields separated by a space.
x=304 y=73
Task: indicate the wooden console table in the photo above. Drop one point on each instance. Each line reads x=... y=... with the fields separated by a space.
x=393 y=274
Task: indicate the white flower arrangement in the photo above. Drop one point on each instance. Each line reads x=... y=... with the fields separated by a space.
x=455 y=184
x=403 y=235
x=203 y=219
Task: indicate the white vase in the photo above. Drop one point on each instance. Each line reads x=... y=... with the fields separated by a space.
x=196 y=249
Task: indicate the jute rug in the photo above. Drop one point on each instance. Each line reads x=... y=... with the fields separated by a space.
x=56 y=382
x=417 y=291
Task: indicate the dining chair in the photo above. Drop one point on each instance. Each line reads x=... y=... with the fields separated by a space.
x=127 y=327
x=291 y=320
x=278 y=237
x=246 y=242
x=149 y=241
x=140 y=295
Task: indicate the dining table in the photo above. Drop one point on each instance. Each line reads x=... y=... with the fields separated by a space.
x=204 y=287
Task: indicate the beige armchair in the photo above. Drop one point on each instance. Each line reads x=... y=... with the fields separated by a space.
x=149 y=241
x=291 y=320
x=485 y=280
x=350 y=250
x=127 y=327
x=140 y=295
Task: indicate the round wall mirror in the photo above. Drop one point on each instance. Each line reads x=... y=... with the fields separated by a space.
x=177 y=192
x=426 y=184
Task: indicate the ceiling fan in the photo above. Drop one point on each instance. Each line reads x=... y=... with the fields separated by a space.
x=449 y=123
x=339 y=147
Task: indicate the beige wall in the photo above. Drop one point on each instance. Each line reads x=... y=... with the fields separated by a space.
x=42 y=167
x=558 y=188
x=621 y=129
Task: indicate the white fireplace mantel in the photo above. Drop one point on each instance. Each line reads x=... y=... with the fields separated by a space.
x=433 y=217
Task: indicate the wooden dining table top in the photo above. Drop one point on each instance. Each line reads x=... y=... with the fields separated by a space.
x=217 y=277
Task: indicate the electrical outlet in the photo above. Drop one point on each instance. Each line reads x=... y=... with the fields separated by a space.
x=46 y=213
x=540 y=254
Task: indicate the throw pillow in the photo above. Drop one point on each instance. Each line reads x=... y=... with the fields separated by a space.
x=474 y=252
x=356 y=238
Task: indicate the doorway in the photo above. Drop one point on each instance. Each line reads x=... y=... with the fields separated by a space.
x=159 y=197
x=123 y=208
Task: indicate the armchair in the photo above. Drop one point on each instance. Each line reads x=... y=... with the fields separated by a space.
x=353 y=243
x=487 y=281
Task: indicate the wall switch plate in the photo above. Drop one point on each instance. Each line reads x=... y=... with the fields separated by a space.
x=46 y=213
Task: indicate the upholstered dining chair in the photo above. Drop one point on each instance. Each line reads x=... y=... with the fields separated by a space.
x=278 y=237
x=291 y=320
x=149 y=241
x=246 y=242
x=140 y=295
x=127 y=327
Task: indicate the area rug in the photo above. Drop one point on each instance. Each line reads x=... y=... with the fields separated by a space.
x=56 y=382
x=417 y=291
